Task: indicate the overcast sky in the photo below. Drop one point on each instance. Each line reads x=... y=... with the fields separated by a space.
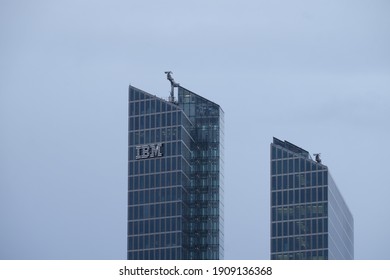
x=314 y=73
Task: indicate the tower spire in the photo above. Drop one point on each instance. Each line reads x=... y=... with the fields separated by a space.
x=173 y=85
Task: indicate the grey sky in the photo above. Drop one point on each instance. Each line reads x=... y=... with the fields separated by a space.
x=315 y=73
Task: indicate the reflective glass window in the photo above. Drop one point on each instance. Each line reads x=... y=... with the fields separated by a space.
x=308 y=179
x=314 y=179
x=320 y=178
x=169 y=119
x=279 y=167
x=285 y=182
x=147 y=122
x=273 y=152
x=279 y=196
x=314 y=195
x=308 y=166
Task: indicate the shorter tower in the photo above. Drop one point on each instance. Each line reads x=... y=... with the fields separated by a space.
x=309 y=217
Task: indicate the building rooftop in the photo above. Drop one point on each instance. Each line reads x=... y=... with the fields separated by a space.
x=291 y=147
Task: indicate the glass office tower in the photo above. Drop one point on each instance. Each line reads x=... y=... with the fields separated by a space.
x=309 y=217
x=175 y=177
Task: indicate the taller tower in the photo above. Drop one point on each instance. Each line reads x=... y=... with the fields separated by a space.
x=309 y=217
x=175 y=177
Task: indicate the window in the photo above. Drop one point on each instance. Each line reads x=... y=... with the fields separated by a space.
x=285 y=229
x=296 y=165
x=314 y=195
x=169 y=122
x=147 y=182
x=158 y=120
x=303 y=200
x=273 y=152
x=320 y=227
x=314 y=226
x=320 y=178
x=273 y=198
x=279 y=152
x=152 y=199
x=273 y=168
x=147 y=122
x=163 y=119
x=132 y=94
x=279 y=196
x=132 y=110
x=296 y=196
x=314 y=242
x=174 y=118
x=308 y=166
x=147 y=105
x=273 y=183
x=290 y=165
x=320 y=197
x=308 y=179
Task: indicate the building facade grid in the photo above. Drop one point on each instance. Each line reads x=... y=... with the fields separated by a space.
x=301 y=227
x=171 y=192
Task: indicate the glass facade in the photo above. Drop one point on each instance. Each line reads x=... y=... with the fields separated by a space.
x=175 y=181
x=341 y=238
x=309 y=218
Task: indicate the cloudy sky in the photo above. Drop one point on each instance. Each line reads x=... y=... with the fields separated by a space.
x=314 y=73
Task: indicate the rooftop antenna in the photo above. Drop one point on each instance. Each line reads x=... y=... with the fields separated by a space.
x=318 y=159
x=173 y=85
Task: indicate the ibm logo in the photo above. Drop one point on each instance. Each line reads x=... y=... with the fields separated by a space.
x=148 y=151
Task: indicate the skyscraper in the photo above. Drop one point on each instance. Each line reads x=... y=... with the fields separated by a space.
x=175 y=176
x=309 y=217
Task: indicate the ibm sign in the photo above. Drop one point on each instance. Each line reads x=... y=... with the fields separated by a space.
x=148 y=151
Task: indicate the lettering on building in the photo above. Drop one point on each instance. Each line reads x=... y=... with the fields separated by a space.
x=149 y=151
